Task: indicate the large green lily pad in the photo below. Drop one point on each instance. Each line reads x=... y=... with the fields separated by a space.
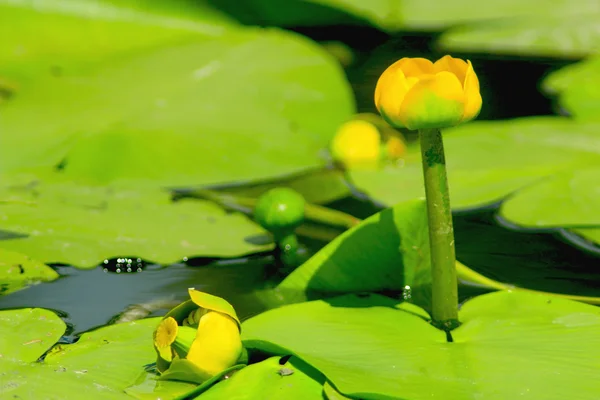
x=28 y=333
x=570 y=199
x=508 y=346
x=58 y=221
x=49 y=37
x=577 y=89
x=18 y=271
x=294 y=380
x=186 y=112
x=563 y=30
x=101 y=364
x=489 y=160
x=387 y=251
x=396 y=15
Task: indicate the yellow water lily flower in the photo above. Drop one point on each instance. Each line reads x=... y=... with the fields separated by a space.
x=415 y=93
x=356 y=142
x=198 y=339
x=359 y=143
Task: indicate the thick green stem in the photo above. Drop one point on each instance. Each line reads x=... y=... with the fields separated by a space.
x=288 y=247
x=441 y=233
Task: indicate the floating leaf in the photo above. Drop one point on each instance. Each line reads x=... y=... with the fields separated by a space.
x=101 y=365
x=559 y=32
x=489 y=160
x=70 y=34
x=570 y=199
x=149 y=387
x=177 y=112
x=18 y=271
x=28 y=333
x=577 y=88
x=294 y=380
x=387 y=251
x=507 y=347
x=83 y=225
x=317 y=187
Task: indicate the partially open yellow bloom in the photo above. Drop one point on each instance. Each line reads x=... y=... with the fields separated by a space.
x=198 y=339
x=356 y=142
x=415 y=93
x=359 y=143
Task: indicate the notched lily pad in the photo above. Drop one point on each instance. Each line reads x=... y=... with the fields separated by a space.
x=266 y=380
x=487 y=161
x=101 y=364
x=18 y=271
x=28 y=333
x=507 y=347
x=83 y=225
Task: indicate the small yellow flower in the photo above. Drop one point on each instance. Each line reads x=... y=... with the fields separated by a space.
x=198 y=339
x=356 y=142
x=360 y=143
x=415 y=93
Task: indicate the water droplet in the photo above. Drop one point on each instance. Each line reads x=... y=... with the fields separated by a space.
x=407 y=293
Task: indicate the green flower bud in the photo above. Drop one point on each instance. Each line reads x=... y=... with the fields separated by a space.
x=280 y=211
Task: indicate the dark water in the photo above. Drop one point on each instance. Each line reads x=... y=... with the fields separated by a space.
x=540 y=261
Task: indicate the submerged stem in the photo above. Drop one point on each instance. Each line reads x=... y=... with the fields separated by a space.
x=441 y=232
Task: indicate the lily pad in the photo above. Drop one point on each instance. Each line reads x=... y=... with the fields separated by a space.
x=148 y=387
x=28 y=333
x=183 y=113
x=387 y=251
x=269 y=379
x=570 y=199
x=487 y=161
x=507 y=347
x=396 y=15
x=565 y=31
x=71 y=34
x=18 y=271
x=101 y=365
x=577 y=89
x=83 y=225
x=317 y=187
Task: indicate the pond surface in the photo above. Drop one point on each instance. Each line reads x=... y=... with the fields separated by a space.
x=92 y=298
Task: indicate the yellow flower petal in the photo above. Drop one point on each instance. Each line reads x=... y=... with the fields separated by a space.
x=214 y=303
x=416 y=67
x=217 y=345
x=390 y=100
x=356 y=141
x=184 y=341
x=433 y=102
x=454 y=65
x=164 y=336
x=472 y=95
x=395 y=84
x=166 y=332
